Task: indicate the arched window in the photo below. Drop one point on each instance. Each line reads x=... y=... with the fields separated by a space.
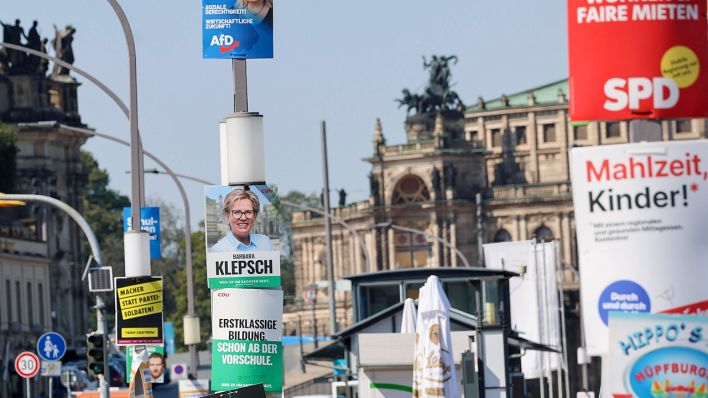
x=410 y=189
x=502 y=236
x=543 y=234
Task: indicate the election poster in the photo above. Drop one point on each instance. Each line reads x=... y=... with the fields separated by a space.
x=242 y=237
x=149 y=222
x=139 y=310
x=637 y=59
x=239 y=29
x=640 y=212
x=657 y=355
x=246 y=345
x=155 y=361
x=193 y=388
x=533 y=298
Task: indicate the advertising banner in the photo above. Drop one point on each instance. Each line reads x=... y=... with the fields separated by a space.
x=247 y=339
x=637 y=59
x=139 y=310
x=241 y=237
x=155 y=360
x=150 y=222
x=534 y=298
x=657 y=355
x=237 y=29
x=640 y=212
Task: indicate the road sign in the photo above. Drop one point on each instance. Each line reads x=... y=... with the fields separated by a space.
x=51 y=346
x=27 y=364
x=51 y=368
x=179 y=371
x=311 y=294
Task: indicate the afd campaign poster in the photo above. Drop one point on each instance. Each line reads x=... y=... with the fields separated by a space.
x=657 y=355
x=150 y=222
x=239 y=29
x=637 y=59
x=247 y=326
x=242 y=237
x=641 y=221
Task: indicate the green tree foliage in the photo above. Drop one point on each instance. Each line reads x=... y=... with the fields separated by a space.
x=202 y=295
x=8 y=161
x=103 y=209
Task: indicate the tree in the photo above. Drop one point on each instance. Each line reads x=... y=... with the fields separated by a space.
x=8 y=161
x=202 y=294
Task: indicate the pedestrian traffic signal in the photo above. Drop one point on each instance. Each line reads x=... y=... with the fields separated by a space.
x=95 y=344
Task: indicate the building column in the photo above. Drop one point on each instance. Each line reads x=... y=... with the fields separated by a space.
x=524 y=228
x=436 y=245
x=454 y=260
x=391 y=249
x=564 y=143
x=533 y=146
x=567 y=237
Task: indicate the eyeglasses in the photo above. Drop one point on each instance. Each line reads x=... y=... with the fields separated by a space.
x=237 y=214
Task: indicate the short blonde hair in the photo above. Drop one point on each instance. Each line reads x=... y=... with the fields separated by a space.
x=238 y=194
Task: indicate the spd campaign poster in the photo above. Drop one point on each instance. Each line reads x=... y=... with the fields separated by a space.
x=247 y=347
x=242 y=237
x=150 y=222
x=138 y=310
x=657 y=355
x=239 y=29
x=637 y=59
x=642 y=227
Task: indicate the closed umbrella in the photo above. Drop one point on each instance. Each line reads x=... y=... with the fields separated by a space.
x=434 y=366
x=409 y=317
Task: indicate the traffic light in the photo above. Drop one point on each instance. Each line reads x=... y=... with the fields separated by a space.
x=95 y=344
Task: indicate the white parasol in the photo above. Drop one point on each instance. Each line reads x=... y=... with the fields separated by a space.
x=434 y=372
x=408 y=318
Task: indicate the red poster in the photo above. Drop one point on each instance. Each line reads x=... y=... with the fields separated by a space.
x=637 y=59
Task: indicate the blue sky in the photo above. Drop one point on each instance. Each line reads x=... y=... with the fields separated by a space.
x=340 y=61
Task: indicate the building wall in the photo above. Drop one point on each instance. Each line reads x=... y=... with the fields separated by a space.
x=523 y=180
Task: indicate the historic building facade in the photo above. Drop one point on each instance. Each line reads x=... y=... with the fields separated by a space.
x=497 y=172
x=41 y=248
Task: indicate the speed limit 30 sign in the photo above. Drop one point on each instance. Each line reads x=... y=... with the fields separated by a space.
x=27 y=364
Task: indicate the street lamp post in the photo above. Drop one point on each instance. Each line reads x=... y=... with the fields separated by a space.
x=191 y=321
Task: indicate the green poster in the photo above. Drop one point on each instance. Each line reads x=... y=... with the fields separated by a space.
x=247 y=347
x=155 y=359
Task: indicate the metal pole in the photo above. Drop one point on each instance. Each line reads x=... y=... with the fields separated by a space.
x=314 y=322
x=328 y=234
x=136 y=188
x=564 y=342
x=240 y=85
x=302 y=352
x=193 y=355
x=50 y=387
x=27 y=383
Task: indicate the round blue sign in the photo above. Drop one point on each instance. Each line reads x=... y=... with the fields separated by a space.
x=623 y=296
x=51 y=346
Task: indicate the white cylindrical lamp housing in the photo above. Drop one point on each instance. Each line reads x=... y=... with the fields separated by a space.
x=137 y=253
x=242 y=149
x=191 y=330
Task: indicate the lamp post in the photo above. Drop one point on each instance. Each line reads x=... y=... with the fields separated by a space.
x=191 y=321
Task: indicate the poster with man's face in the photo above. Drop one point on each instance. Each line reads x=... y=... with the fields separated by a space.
x=155 y=360
x=242 y=237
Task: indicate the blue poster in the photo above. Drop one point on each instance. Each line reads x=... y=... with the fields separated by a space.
x=169 y=331
x=239 y=29
x=150 y=222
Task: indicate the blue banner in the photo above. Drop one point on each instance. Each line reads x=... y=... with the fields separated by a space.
x=150 y=222
x=237 y=29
